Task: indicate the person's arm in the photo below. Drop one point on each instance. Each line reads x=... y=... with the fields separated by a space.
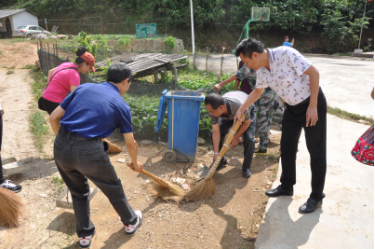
x=236 y=85
x=241 y=131
x=72 y=88
x=253 y=96
x=216 y=139
x=217 y=87
x=54 y=119
x=372 y=94
x=312 y=110
x=292 y=43
x=132 y=147
x=50 y=73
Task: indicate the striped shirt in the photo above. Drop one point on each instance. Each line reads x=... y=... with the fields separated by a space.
x=233 y=100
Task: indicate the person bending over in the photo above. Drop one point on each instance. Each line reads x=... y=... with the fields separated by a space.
x=89 y=113
x=296 y=81
x=222 y=110
x=269 y=108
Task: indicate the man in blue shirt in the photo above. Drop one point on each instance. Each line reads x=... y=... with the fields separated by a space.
x=92 y=112
x=287 y=43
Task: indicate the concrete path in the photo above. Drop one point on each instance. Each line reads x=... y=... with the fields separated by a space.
x=346 y=81
x=346 y=219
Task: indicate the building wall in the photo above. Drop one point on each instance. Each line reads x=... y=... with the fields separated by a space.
x=2 y=21
x=23 y=18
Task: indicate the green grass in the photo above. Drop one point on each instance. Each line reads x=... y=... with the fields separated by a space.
x=28 y=66
x=38 y=129
x=342 y=54
x=347 y=115
x=38 y=125
x=39 y=84
x=271 y=155
x=10 y=71
x=58 y=184
x=12 y=67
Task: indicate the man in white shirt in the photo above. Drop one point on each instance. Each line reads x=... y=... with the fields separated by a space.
x=296 y=81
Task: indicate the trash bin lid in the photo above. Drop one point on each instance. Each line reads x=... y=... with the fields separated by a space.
x=197 y=96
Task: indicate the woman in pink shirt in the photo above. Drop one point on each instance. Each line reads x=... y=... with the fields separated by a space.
x=64 y=79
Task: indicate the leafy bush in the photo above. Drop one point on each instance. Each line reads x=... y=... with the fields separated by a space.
x=124 y=41
x=88 y=42
x=170 y=41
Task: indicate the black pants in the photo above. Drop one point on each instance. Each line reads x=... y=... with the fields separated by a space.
x=2 y=179
x=248 y=143
x=316 y=137
x=46 y=105
x=79 y=159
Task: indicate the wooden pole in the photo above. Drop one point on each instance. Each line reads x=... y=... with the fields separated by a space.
x=101 y=24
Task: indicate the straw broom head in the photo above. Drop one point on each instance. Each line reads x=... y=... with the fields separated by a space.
x=202 y=190
x=10 y=208
x=165 y=193
x=206 y=188
x=162 y=188
x=112 y=148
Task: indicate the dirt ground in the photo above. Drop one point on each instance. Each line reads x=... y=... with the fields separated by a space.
x=230 y=219
x=17 y=54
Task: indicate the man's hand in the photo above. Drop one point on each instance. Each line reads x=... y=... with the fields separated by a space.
x=311 y=116
x=234 y=142
x=237 y=116
x=138 y=167
x=2 y=112
x=217 y=87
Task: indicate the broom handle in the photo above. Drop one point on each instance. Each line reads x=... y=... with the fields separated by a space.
x=225 y=148
x=152 y=176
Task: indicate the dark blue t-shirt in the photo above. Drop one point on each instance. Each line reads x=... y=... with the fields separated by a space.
x=96 y=110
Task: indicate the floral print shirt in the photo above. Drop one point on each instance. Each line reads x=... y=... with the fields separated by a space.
x=287 y=76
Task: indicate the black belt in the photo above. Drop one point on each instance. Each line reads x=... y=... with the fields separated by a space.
x=69 y=135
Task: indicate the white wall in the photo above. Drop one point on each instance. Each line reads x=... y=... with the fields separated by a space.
x=23 y=18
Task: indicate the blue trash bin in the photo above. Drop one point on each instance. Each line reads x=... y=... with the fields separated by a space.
x=183 y=123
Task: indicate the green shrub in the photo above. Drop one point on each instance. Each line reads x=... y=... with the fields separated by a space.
x=170 y=41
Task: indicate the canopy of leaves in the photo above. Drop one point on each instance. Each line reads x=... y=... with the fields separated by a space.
x=338 y=18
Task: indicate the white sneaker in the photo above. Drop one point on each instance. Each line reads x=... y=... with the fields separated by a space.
x=85 y=242
x=130 y=230
x=8 y=184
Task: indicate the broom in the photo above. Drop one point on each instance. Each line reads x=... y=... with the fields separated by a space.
x=206 y=188
x=10 y=208
x=112 y=148
x=162 y=188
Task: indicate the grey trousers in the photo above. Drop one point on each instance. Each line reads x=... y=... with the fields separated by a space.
x=79 y=159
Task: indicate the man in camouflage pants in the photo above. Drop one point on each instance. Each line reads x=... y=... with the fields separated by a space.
x=270 y=111
x=269 y=107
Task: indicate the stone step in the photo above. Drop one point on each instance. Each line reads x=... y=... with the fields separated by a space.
x=8 y=160
x=14 y=168
x=61 y=201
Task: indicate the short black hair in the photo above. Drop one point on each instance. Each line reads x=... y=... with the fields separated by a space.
x=248 y=46
x=80 y=51
x=286 y=37
x=215 y=100
x=118 y=72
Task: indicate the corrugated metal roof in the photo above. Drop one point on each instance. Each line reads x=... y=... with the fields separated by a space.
x=6 y=13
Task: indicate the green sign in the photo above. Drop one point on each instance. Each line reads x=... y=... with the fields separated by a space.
x=145 y=30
